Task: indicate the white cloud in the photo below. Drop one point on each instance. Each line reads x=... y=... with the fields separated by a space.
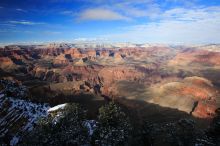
x=200 y=25
x=101 y=14
x=24 y=22
x=149 y=10
x=21 y=10
x=192 y=14
x=118 y=10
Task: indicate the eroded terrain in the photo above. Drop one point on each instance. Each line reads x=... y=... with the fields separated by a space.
x=180 y=78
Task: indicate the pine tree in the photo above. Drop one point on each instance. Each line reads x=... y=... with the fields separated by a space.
x=113 y=127
x=216 y=123
x=214 y=130
x=66 y=129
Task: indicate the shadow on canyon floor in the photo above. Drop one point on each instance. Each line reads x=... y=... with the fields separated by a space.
x=138 y=111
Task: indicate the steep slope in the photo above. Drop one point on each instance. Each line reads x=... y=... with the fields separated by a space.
x=17 y=115
x=194 y=95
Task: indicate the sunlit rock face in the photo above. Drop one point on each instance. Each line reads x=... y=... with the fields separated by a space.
x=194 y=95
x=6 y=63
x=193 y=56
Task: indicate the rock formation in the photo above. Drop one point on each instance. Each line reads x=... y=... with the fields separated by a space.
x=166 y=74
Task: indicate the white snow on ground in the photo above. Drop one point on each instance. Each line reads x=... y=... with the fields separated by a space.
x=57 y=107
x=14 y=141
x=2 y=95
x=91 y=125
x=18 y=109
x=30 y=110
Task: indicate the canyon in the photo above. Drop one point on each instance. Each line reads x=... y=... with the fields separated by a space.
x=153 y=74
x=182 y=78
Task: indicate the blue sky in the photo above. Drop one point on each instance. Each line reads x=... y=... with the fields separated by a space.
x=138 y=21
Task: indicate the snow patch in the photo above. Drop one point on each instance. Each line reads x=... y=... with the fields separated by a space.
x=14 y=141
x=2 y=95
x=91 y=125
x=57 y=107
x=20 y=109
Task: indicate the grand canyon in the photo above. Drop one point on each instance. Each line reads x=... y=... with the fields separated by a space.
x=109 y=73
x=161 y=83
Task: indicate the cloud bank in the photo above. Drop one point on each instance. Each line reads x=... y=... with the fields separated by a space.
x=178 y=25
x=24 y=22
x=157 y=21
